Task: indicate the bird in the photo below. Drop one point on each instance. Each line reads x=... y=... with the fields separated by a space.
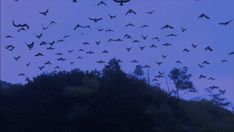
x=28 y=64
x=150 y=12
x=208 y=48
x=44 y=12
x=39 y=35
x=95 y=19
x=58 y=53
x=10 y=47
x=225 y=23
x=75 y=1
x=167 y=27
x=121 y=2
x=101 y=3
x=201 y=76
x=205 y=62
x=171 y=35
x=30 y=45
x=43 y=43
x=178 y=62
x=163 y=56
x=17 y=58
x=52 y=22
x=167 y=44
x=112 y=17
x=211 y=78
x=21 y=74
x=203 y=16
x=105 y=52
x=159 y=62
x=136 y=41
x=57 y=67
x=8 y=36
x=48 y=63
x=130 y=11
x=184 y=29
x=144 y=26
x=130 y=25
x=20 y=25
x=194 y=45
x=39 y=54
x=69 y=51
x=213 y=87
x=185 y=50
x=134 y=61
x=222 y=91
x=101 y=62
x=90 y=52
x=142 y=48
x=231 y=53
x=224 y=60
x=144 y=37
x=79 y=57
x=156 y=38
x=97 y=42
x=44 y=28
x=153 y=46
x=41 y=68
x=128 y=49
x=200 y=65
x=61 y=59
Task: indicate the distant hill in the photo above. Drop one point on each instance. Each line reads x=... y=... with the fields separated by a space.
x=107 y=101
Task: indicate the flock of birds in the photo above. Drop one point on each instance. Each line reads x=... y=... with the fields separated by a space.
x=50 y=45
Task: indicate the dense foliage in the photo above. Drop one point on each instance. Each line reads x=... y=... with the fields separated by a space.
x=107 y=101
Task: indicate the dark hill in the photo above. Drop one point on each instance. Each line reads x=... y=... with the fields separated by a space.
x=111 y=101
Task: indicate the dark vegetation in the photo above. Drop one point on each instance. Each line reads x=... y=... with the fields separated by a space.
x=107 y=101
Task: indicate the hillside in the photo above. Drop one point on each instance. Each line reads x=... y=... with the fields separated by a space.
x=107 y=101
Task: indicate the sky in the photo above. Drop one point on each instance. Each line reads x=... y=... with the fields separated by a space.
x=67 y=14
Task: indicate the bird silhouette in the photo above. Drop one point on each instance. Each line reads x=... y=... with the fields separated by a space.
x=90 y=52
x=121 y=2
x=20 y=25
x=48 y=63
x=211 y=78
x=95 y=19
x=202 y=76
x=136 y=41
x=225 y=23
x=159 y=62
x=153 y=46
x=75 y=1
x=52 y=22
x=203 y=16
x=231 y=53
x=167 y=27
x=10 y=47
x=128 y=49
x=222 y=91
x=163 y=56
x=144 y=37
x=184 y=29
x=30 y=45
x=171 y=35
x=101 y=62
x=61 y=59
x=41 y=68
x=156 y=38
x=39 y=54
x=205 y=62
x=45 y=27
x=130 y=11
x=213 y=87
x=44 y=12
x=135 y=61
x=167 y=44
x=17 y=58
x=150 y=12
x=39 y=35
x=97 y=42
x=105 y=52
x=194 y=45
x=142 y=48
x=112 y=16
x=21 y=74
x=101 y=3
x=8 y=36
x=186 y=50
x=208 y=48
x=178 y=62
x=130 y=25
x=224 y=61
x=144 y=26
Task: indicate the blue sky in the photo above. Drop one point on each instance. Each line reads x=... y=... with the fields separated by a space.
x=177 y=13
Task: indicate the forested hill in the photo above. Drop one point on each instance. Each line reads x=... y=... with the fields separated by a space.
x=107 y=101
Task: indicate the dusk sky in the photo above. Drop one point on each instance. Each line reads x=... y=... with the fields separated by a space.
x=179 y=14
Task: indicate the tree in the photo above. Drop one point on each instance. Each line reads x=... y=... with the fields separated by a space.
x=181 y=80
x=138 y=71
x=113 y=70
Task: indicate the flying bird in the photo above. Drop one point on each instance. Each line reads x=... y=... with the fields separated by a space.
x=208 y=48
x=95 y=19
x=167 y=27
x=112 y=17
x=101 y=3
x=44 y=12
x=225 y=23
x=30 y=45
x=39 y=54
x=150 y=12
x=130 y=11
x=10 y=47
x=121 y=2
x=203 y=16
x=17 y=58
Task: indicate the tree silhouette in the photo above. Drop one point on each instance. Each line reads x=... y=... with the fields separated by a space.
x=181 y=80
